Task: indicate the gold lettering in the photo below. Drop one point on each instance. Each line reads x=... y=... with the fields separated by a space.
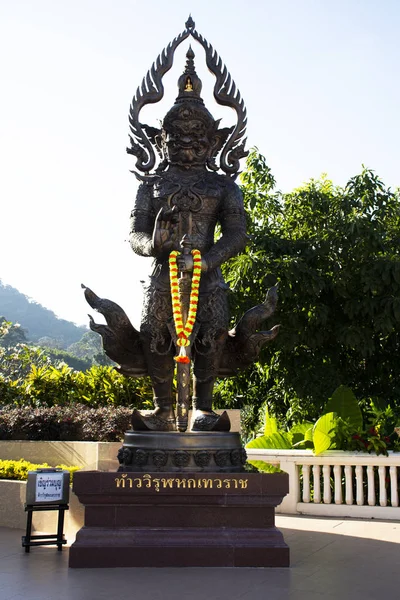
x=180 y=483
x=243 y=483
x=167 y=482
x=227 y=483
x=121 y=481
x=147 y=480
x=219 y=484
x=192 y=483
x=156 y=482
x=207 y=483
x=235 y=481
x=139 y=482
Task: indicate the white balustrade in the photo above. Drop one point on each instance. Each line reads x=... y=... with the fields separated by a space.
x=317 y=483
x=326 y=472
x=382 y=485
x=306 y=483
x=371 y=485
x=364 y=485
x=348 y=475
x=359 y=485
x=337 y=473
x=394 y=488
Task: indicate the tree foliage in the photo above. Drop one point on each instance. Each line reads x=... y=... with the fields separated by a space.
x=336 y=255
x=72 y=422
x=11 y=333
x=90 y=348
x=47 y=385
x=39 y=377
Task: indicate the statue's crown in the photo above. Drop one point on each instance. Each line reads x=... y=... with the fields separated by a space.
x=189 y=83
x=145 y=139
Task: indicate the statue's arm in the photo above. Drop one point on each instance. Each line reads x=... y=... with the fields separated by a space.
x=142 y=223
x=233 y=227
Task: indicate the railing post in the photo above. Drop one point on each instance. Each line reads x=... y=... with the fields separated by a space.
x=394 y=493
x=382 y=485
x=348 y=473
x=359 y=485
x=317 y=483
x=289 y=503
x=371 y=485
x=306 y=483
x=326 y=470
x=337 y=473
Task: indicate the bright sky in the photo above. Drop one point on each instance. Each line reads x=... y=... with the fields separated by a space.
x=320 y=80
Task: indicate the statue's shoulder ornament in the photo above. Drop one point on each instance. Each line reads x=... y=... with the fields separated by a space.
x=148 y=180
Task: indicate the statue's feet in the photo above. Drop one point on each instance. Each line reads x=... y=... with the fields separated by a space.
x=160 y=419
x=208 y=420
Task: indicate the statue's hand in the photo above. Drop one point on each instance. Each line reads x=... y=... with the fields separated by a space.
x=165 y=231
x=185 y=263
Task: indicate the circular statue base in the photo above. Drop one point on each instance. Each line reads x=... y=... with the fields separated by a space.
x=170 y=451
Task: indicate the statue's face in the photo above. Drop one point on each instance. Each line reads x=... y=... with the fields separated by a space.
x=187 y=142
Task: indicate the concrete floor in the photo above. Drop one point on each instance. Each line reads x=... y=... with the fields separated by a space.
x=331 y=558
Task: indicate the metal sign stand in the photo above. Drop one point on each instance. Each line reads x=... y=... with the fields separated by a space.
x=58 y=538
x=47 y=489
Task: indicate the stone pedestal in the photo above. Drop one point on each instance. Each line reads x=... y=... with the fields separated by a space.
x=172 y=451
x=179 y=520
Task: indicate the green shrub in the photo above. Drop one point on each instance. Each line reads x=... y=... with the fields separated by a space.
x=68 y=423
x=18 y=469
x=43 y=384
x=340 y=427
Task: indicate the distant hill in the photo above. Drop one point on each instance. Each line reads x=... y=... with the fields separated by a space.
x=37 y=320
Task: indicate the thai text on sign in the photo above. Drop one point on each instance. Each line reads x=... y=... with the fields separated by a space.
x=147 y=481
x=49 y=487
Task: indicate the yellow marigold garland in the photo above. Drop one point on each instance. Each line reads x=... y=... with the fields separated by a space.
x=183 y=330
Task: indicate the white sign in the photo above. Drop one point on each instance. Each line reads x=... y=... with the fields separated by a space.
x=49 y=487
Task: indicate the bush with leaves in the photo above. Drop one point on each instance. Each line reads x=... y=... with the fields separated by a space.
x=46 y=385
x=67 y=423
x=340 y=427
x=18 y=469
x=336 y=255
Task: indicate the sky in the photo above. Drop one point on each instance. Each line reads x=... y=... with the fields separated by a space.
x=320 y=79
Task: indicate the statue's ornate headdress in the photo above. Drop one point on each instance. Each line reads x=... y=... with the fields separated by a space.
x=144 y=138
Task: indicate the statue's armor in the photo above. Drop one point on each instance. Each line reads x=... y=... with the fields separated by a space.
x=202 y=200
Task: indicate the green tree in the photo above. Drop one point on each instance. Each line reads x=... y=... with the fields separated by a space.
x=11 y=333
x=90 y=348
x=48 y=342
x=62 y=356
x=336 y=255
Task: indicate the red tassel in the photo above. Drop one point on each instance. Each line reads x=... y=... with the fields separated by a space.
x=182 y=359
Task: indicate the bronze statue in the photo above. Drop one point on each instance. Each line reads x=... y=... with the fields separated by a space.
x=178 y=206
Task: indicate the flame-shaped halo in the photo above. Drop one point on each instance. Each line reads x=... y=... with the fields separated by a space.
x=143 y=137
